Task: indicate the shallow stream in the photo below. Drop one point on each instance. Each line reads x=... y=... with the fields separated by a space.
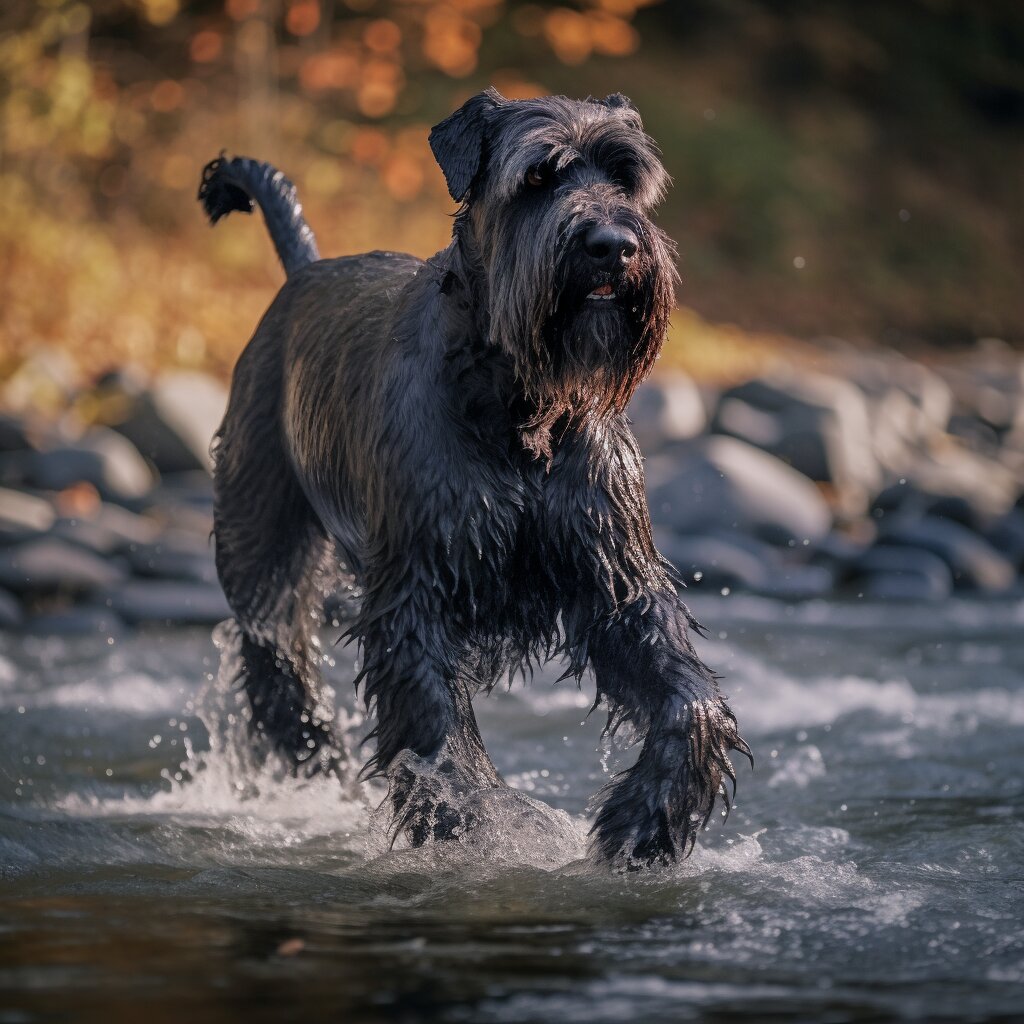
x=873 y=868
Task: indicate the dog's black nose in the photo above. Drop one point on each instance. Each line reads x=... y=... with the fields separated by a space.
x=610 y=245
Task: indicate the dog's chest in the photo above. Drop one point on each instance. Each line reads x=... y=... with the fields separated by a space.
x=539 y=530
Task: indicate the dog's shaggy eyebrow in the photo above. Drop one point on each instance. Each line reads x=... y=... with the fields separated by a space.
x=608 y=140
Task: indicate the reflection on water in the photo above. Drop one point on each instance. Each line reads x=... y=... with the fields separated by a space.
x=871 y=870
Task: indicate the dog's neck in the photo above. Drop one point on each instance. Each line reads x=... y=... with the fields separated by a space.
x=487 y=376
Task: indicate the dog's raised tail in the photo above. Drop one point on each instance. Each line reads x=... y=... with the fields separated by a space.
x=238 y=183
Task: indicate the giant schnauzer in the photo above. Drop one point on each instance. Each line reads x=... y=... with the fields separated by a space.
x=452 y=433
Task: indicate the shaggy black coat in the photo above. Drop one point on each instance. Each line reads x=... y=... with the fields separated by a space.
x=452 y=433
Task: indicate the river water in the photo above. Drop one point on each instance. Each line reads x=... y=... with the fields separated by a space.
x=872 y=870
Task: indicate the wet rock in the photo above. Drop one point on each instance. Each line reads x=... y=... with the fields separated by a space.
x=1006 y=535
x=13 y=436
x=741 y=419
x=173 y=423
x=909 y=402
x=129 y=527
x=10 y=611
x=991 y=386
x=890 y=557
x=901 y=586
x=184 y=516
x=23 y=516
x=976 y=434
x=83 y=620
x=87 y=534
x=710 y=563
x=817 y=424
x=186 y=501
x=908 y=500
x=839 y=552
x=892 y=572
x=799 y=583
x=102 y=458
x=176 y=555
x=974 y=563
x=168 y=601
x=193 y=488
x=955 y=484
x=665 y=409
x=741 y=563
x=723 y=484
x=110 y=530
x=49 y=564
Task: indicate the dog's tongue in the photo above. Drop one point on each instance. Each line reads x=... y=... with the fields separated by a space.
x=605 y=289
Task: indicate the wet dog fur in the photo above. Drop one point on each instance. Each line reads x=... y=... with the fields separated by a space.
x=452 y=433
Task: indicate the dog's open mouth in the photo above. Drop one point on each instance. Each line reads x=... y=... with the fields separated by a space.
x=604 y=292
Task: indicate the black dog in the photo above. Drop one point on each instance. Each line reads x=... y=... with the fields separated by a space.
x=453 y=433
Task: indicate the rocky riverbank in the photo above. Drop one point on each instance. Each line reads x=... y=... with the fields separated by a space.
x=880 y=478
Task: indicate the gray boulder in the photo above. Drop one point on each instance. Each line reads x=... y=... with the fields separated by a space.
x=10 y=611
x=168 y=601
x=901 y=586
x=742 y=563
x=176 y=555
x=990 y=386
x=839 y=553
x=974 y=563
x=799 y=583
x=723 y=484
x=665 y=409
x=82 y=620
x=976 y=434
x=102 y=457
x=817 y=424
x=953 y=482
x=890 y=571
x=173 y=423
x=909 y=403
x=1006 y=535
x=111 y=530
x=23 y=516
x=13 y=436
x=49 y=564
x=710 y=563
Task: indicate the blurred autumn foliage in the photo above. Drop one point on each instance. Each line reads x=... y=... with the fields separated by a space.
x=109 y=110
x=835 y=173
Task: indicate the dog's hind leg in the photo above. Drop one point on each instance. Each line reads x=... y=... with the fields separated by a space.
x=272 y=553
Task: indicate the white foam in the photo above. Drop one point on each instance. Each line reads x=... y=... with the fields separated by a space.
x=767 y=700
x=131 y=692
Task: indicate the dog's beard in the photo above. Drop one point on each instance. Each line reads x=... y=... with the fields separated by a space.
x=577 y=355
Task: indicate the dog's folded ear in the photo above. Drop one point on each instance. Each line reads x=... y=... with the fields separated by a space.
x=458 y=142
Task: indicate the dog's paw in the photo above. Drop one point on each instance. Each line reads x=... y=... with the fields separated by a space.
x=653 y=811
x=430 y=798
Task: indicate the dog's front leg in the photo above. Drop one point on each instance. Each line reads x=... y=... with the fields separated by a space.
x=652 y=680
x=428 y=742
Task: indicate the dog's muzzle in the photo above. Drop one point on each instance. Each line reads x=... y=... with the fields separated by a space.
x=609 y=248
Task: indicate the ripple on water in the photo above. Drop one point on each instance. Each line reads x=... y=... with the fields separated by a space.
x=870 y=871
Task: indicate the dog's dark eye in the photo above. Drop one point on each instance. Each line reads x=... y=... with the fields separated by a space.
x=535 y=177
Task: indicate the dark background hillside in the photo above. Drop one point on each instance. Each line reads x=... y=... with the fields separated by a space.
x=841 y=169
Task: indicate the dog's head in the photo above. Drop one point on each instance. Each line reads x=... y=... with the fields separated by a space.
x=555 y=222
